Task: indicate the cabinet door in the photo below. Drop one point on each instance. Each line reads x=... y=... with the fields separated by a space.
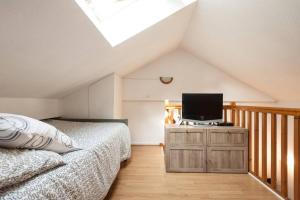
x=187 y=138
x=186 y=160
x=227 y=159
x=227 y=137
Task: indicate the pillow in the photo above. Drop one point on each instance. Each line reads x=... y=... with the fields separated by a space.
x=19 y=165
x=17 y=131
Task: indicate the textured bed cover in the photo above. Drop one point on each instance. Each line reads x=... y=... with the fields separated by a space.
x=88 y=173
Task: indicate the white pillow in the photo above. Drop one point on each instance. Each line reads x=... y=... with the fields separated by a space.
x=17 y=131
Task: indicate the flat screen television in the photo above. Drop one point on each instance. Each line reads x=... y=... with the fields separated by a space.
x=202 y=107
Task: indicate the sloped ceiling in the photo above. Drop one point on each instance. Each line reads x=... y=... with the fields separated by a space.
x=256 y=41
x=50 y=48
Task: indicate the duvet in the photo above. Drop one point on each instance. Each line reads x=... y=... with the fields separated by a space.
x=87 y=173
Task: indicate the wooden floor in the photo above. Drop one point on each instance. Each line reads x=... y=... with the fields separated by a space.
x=145 y=178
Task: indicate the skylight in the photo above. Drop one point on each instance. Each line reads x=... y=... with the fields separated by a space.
x=119 y=20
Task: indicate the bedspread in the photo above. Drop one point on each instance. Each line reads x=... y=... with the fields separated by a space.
x=88 y=173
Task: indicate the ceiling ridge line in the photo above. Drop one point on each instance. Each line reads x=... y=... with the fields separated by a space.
x=189 y=23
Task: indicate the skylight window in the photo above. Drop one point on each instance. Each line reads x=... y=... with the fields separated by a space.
x=104 y=9
x=119 y=20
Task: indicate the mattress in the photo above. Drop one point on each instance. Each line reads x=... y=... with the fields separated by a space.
x=88 y=173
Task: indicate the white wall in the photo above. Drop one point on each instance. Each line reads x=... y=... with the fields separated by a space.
x=101 y=98
x=144 y=95
x=118 y=95
x=190 y=75
x=76 y=105
x=98 y=100
x=146 y=121
x=32 y=107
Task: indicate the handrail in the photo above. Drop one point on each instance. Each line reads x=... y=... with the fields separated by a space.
x=263 y=109
x=238 y=118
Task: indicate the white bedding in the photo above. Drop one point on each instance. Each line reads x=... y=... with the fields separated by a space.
x=88 y=173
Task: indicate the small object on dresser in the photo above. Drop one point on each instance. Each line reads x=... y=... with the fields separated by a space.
x=225 y=124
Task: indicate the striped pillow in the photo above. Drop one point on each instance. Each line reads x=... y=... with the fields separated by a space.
x=17 y=131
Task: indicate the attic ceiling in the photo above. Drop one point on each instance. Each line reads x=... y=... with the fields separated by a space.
x=257 y=42
x=51 y=48
x=119 y=20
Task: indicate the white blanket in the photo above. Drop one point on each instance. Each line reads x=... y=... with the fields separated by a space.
x=88 y=173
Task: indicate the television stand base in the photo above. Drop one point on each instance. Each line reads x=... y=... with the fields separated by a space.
x=182 y=122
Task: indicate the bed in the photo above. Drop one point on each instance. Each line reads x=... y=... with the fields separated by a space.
x=88 y=173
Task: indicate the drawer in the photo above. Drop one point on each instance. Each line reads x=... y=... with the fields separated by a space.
x=227 y=137
x=186 y=160
x=227 y=159
x=186 y=138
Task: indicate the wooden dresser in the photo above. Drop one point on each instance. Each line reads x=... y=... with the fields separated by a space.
x=206 y=149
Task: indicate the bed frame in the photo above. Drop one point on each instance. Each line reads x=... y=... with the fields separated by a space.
x=125 y=121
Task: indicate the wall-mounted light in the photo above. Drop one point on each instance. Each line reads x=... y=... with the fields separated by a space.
x=166 y=79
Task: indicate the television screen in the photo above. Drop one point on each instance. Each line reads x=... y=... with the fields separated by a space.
x=202 y=107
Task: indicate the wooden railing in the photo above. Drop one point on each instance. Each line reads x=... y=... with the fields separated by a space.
x=238 y=117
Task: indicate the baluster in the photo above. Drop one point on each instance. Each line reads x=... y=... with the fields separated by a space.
x=284 y=156
x=238 y=120
x=273 y=150
x=297 y=158
x=264 y=147
x=243 y=119
x=249 y=126
x=256 y=143
x=233 y=107
x=233 y=116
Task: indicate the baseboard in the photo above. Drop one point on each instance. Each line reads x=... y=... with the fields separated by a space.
x=145 y=144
